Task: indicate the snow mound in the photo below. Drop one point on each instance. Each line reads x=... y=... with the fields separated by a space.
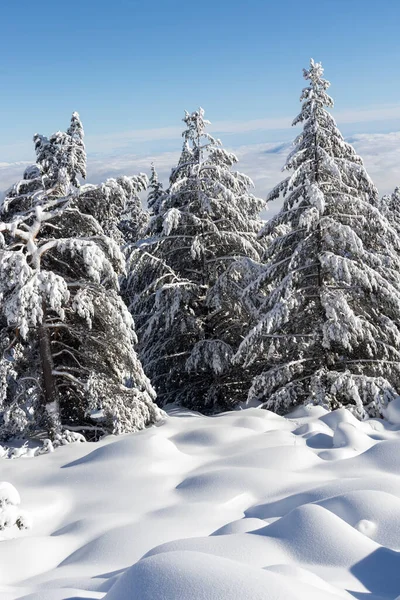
x=315 y=535
x=11 y=516
x=246 y=504
x=244 y=525
x=347 y=435
x=373 y=513
x=197 y=576
x=8 y=495
x=246 y=548
x=380 y=457
x=393 y=411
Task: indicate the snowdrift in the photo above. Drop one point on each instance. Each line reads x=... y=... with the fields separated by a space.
x=244 y=505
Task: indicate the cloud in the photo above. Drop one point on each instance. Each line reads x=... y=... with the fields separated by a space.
x=383 y=112
x=11 y=172
x=381 y=156
x=142 y=141
x=262 y=162
x=133 y=140
x=124 y=139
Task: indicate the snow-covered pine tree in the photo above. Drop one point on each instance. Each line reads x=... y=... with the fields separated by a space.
x=62 y=158
x=76 y=150
x=390 y=207
x=11 y=514
x=68 y=359
x=328 y=331
x=185 y=281
x=156 y=191
x=117 y=207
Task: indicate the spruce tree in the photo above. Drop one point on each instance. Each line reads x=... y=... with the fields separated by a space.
x=67 y=338
x=328 y=330
x=156 y=191
x=187 y=308
x=61 y=159
x=116 y=205
x=390 y=207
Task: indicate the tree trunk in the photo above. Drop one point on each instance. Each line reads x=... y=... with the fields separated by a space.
x=325 y=358
x=49 y=387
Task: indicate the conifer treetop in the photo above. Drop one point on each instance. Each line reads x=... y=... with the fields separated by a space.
x=189 y=316
x=314 y=96
x=62 y=157
x=61 y=311
x=196 y=126
x=156 y=191
x=332 y=259
x=75 y=130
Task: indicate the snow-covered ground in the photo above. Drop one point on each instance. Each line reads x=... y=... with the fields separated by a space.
x=245 y=505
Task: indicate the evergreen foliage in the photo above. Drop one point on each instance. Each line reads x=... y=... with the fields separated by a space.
x=390 y=207
x=187 y=307
x=61 y=159
x=11 y=514
x=117 y=207
x=156 y=192
x=328 y=330
x=67 y=338
x=302 y=309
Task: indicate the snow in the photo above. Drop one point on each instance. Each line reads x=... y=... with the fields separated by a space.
x=11 y=516
x=8 y=494
x=331 y=259
x=393 y=411
x=246 y=504
x=197 y=575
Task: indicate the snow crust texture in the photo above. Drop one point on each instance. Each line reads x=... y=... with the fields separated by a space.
x=243 y=505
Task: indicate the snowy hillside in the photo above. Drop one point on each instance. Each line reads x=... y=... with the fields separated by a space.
x=244 y=505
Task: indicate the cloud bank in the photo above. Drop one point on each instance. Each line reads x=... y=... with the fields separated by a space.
x=262 y=162
x=123 y=139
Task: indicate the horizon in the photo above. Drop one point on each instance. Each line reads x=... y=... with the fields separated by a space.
x=131 y=72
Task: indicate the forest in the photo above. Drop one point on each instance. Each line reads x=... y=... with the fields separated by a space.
x=111 y=311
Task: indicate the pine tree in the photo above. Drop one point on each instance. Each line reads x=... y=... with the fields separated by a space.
x=156 y=191
x=67 y=340
x=61 y=159
x=117 y=207
x=187 y=308
x=390 y=208
x=328 y=330
x=11 y=514
x=76 y=150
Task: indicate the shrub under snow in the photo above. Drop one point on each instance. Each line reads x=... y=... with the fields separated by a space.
x=10 y=513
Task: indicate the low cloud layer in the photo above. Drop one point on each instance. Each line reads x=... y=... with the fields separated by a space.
x=262 y=162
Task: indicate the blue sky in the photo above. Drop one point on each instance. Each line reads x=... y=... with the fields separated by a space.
x=131 y=68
